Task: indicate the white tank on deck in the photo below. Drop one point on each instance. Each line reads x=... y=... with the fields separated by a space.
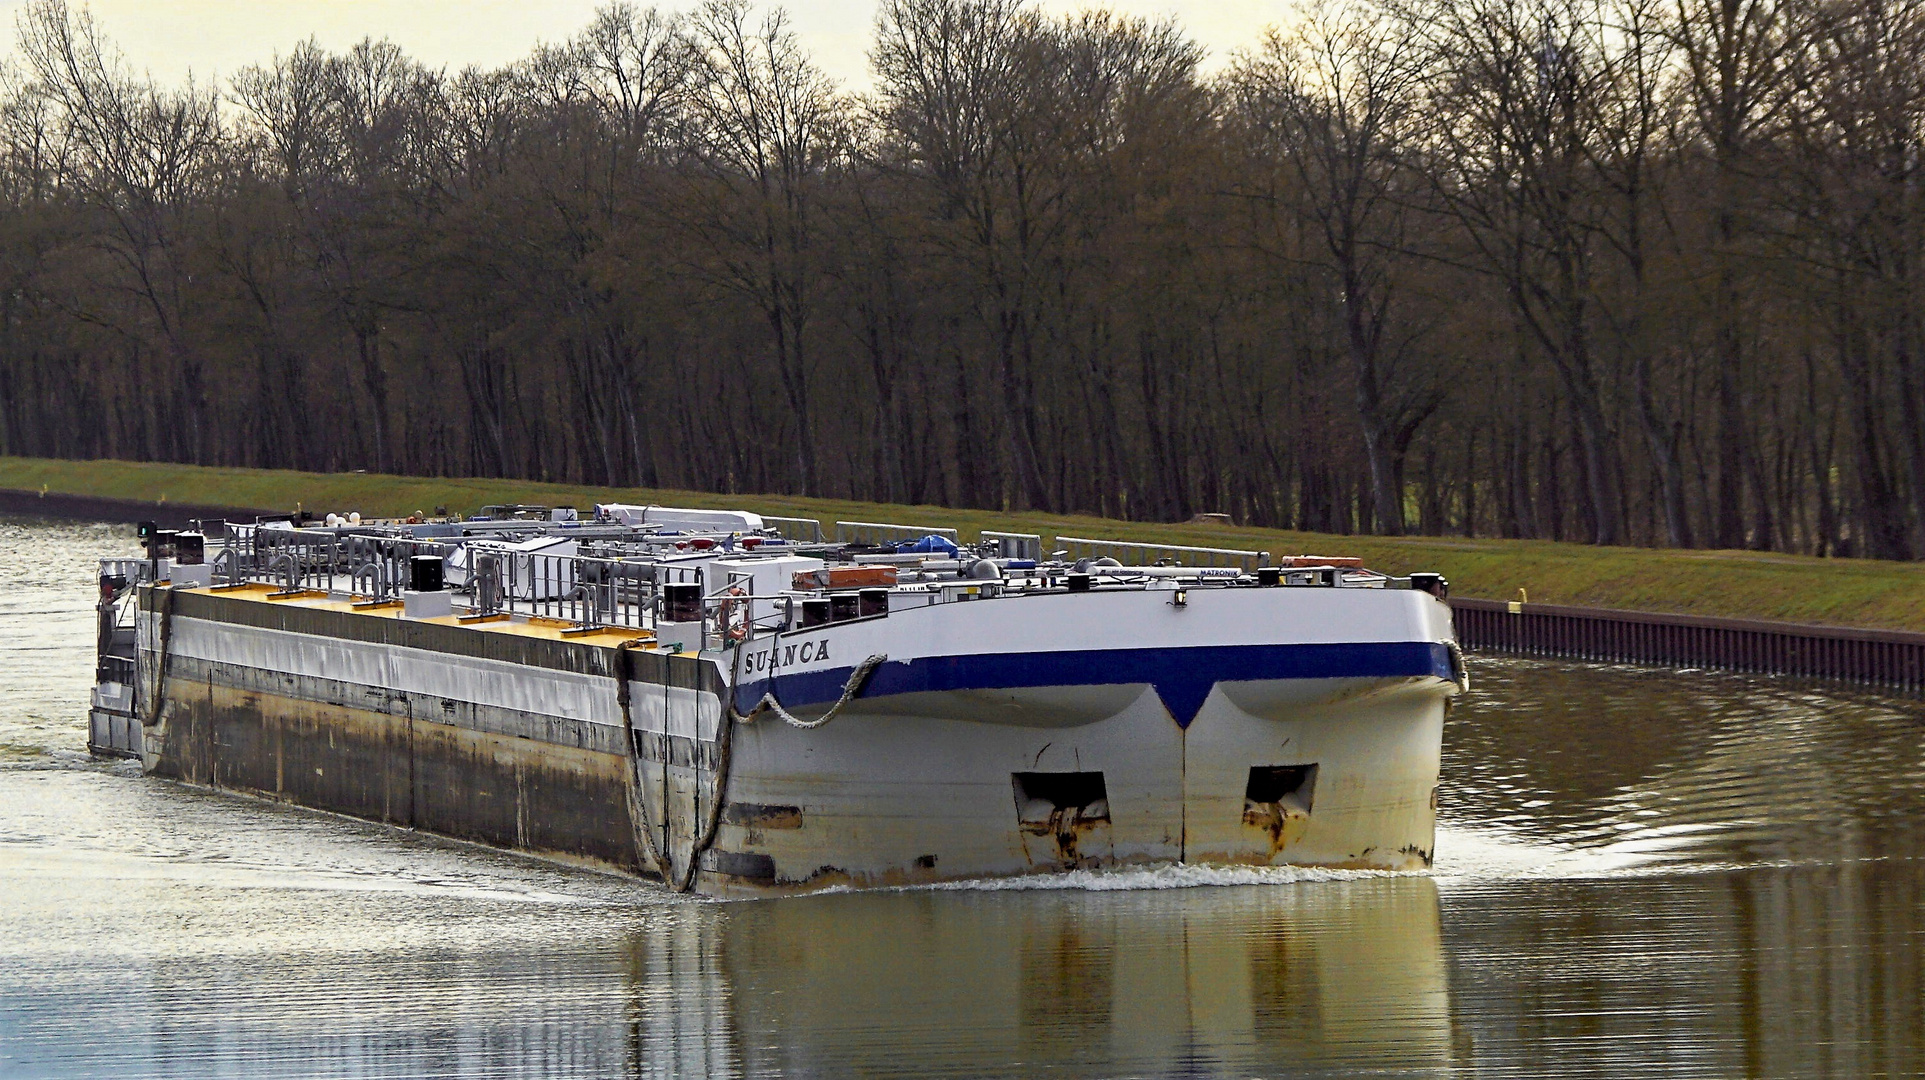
x=683 y=520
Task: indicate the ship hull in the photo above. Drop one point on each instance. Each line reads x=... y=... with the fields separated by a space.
x=945 y=764
x=887 y=798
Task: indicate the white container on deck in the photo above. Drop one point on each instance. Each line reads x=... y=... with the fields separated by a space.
x=768 y=577
x=191 y=577
x=427 y=605
x=537 y=569
x=682 y=520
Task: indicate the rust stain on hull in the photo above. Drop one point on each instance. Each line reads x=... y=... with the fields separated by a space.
x=1277 y=827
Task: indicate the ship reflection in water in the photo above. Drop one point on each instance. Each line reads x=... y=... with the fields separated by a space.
x=1642 y=873
x=1337 y=978
x=233 y=939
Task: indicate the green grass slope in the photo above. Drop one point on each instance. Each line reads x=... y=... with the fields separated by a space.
x=1734 y=584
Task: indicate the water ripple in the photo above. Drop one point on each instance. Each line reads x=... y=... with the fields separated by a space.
x=1638 y=873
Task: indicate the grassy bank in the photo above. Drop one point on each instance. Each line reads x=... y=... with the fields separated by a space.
x=1733 y=584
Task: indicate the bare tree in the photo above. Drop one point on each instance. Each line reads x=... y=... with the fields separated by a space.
x=1733 y=53
x=1631 y=271
x=767 y=127
x=140 y=156
x=1513 y=145
x=1331 y=105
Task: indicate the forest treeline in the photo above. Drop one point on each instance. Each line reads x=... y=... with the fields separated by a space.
x=1621 y=271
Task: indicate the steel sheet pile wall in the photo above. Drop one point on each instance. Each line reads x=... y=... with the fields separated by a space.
x=1887 y=658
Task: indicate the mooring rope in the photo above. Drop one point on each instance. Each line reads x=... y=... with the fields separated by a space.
x=638 y=815
x=724 y=759
x=638 y=823
x=857 y=680
x=165 y=634
x=1459 y=670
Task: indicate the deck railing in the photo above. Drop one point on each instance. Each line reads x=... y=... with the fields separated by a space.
x=878 y=532
x=1131 y=553
x=132 y=571
x=798 y=530
x=578 y=590
x=1015 y=545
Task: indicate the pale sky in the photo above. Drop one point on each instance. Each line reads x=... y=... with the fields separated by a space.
x=169 y=38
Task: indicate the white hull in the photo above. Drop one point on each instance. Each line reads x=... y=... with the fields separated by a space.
x=890 y=799
x=924 y=785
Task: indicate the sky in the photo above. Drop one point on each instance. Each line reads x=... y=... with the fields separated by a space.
x=215 y=38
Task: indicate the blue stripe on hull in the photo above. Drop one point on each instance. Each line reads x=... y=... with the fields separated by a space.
x=1182 y=676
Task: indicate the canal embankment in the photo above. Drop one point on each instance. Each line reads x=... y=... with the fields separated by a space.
x=1855 y=619
x=70 y=506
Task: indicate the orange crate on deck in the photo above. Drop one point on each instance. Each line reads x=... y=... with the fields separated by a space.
x=1339 y=561
x=847 y=577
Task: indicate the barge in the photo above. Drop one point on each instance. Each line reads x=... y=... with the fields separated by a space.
x=739 y=704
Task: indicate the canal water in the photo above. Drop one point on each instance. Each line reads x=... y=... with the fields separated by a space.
x=1640 y=873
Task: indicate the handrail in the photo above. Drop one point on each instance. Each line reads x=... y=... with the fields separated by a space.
x=847 y=531
x=1015 y=545
x=813 y=527
x=134 y=570
x=583 y=591
x=1250 y=560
